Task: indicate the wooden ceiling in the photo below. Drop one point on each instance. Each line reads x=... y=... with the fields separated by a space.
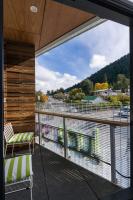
x=52 y=21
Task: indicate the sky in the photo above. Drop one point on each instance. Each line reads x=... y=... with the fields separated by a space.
x=130 y=0
x=81 y=56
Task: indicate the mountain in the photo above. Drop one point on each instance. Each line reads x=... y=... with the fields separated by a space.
x=109 y=72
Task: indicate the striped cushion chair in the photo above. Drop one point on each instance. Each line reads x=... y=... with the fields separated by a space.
x=17 y=139
x=18 y=172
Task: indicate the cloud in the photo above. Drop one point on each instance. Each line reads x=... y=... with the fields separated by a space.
x=82 y=56
x=50 y=80
x=98 y=61
x=109 y=39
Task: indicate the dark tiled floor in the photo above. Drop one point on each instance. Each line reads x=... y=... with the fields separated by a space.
x=65 y=180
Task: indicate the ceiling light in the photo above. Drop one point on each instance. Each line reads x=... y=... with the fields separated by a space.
x=34 y=9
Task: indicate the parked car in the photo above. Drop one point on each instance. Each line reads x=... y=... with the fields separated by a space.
x=126 y=108
x=124 y=112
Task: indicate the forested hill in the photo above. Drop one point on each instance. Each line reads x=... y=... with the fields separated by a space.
x=109 y=73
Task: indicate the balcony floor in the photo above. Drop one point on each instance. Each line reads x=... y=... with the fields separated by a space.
x=65 y=180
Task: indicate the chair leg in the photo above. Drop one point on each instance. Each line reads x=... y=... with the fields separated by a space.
x=31 y=186
x=12 y=150
x=29 y=147
x=5 y=150
x=33 y=146
x=31 y=195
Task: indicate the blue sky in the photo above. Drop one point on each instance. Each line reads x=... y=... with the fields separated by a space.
x=82 y=56
x=70 y=58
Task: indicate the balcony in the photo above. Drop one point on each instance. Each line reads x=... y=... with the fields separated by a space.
x=70 y=164
x=79 y=153
x=64 y=179
x=77 y=156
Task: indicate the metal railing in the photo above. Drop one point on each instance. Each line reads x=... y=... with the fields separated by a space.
x=100 y=145
x=104 y=110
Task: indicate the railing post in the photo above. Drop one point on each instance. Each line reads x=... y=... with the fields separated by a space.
x=112 y=151
x=40 y=133
x=131 y=101
x=65 y=138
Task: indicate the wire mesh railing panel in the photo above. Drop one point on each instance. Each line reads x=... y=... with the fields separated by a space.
x=87 y=146
x=103 y=149
x=122 y=153
x=50 y=128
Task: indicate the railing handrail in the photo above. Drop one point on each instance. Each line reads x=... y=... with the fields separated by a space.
x=85 y=118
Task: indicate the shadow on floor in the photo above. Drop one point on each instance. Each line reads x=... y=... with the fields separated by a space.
x=65 y=180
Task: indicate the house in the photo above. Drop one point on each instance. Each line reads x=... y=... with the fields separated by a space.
x=105 y=92
x=93 y=99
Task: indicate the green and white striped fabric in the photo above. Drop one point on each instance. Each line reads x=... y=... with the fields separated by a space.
x=18 y=168
x=21 y=137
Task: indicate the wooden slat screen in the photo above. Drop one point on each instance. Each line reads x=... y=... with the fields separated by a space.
x=19 y=79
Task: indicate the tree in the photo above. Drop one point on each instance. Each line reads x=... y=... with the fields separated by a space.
x=120 y=66
x=120 y=98
x=76 y=94
x=105 y=79
x=87 y=86
x=109 y=73
x=104 y=85
x=98 y=86
x=48 y=92
x=122 y=83
x=44 y=98
x=40 y=96
x=61 y=90
x=101 y=86
x=59 y=95
x=52 y=92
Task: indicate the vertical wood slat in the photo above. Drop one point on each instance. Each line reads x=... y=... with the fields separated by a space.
x=2 y=186
x=19 y=86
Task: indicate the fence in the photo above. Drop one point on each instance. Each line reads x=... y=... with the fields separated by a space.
x=101 y=146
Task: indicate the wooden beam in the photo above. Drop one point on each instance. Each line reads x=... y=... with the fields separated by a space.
x=2 y=187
